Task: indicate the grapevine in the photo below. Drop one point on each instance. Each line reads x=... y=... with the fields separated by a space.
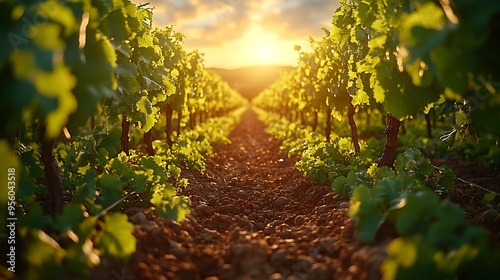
x=406 y=60
x=85 y=85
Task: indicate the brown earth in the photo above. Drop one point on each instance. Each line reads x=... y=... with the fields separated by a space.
x=254 y=216
x=473 y=183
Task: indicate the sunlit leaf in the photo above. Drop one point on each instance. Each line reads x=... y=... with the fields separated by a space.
x=116 y=239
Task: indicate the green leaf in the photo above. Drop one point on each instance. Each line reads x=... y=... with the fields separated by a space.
x=10 y=166
x=443 y=231
x=416 y=213
x=116 y=239
x=43 y=250
x=159 y=174
x=446 y=177
x=86 y=228
x=111 y=143
x=368 y=216
x=80 y=256
x=95 y=78
x=57 y=84
x=389 y=192
x=175 y=208
x=122 y=169
x=422 y=30
x=408 y=99
x=168 y=191
x=488 y=198
x=115 y=26
x=360 y=98
x=103 y=157
x=86 y=187
x=34 y=218
x=452 y=67
x=453 y=261
x=138 y=183
x=410 y=258
x=339 y=186
x=111 y=189
x=146 y=107
x=46 y=36
x=70 y=218
x=413 y=163
x=368 y=227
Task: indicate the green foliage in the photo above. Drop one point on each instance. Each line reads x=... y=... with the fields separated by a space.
x=116 y=239
x=413 y=57
x=97 y=184
x=456 y=50
x=433 y=239
x=77 y=246
x=78 y=69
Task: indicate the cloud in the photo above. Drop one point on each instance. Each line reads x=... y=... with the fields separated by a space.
x=228 y=31
x=215 y=22
x=300 y=18
x=204 y=22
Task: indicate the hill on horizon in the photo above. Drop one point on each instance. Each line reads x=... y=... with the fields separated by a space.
x=250 y=81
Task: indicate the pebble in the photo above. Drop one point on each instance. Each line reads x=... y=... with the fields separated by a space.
x=269 y=214
x=300 y=220
x=202 y=210
x=278 y=257
x=269 y=231
x=211 y=199
x=319 y=271
x=329 y=198
x=179 y=252
x=305 y=261
x=259 y=226
x=227 y=209
x=276 y=276
x=344 y=205
x=138 y=218
x=241 y=193
x=490 y=218
x=245 y=224
x=208 y=234
x=287 y=234
x=280 y=202
x=259 y=188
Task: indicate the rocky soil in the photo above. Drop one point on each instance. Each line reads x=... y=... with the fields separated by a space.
x=254 y=216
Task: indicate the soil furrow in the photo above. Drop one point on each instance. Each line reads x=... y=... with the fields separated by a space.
x=254 y=216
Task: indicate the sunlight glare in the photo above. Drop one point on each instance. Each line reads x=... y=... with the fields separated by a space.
x=255 y=47
x=265 y=53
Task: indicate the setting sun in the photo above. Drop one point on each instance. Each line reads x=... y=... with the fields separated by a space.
x=235 y=33
x=256 y=47
x=265 y=53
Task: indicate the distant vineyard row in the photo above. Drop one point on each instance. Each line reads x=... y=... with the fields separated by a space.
x=412 y=66
x=99 y=111
x=404 y=58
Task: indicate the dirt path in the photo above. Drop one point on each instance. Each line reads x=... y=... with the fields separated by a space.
x=254 y=216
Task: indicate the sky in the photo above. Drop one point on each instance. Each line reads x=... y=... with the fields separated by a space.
x=240 y=33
